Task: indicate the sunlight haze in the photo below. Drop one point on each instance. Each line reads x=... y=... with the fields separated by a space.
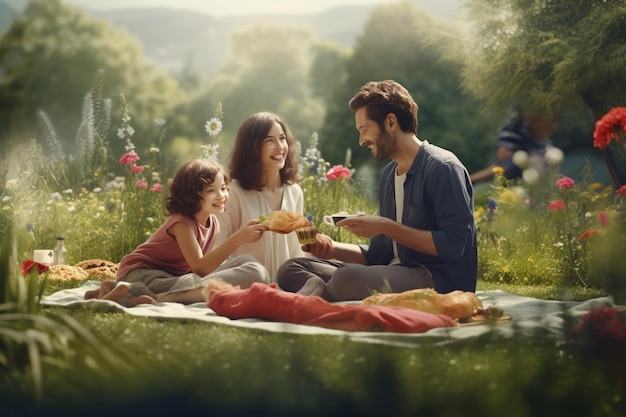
x=220 y=8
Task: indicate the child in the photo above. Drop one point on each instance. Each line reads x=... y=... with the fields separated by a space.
x=176 y=262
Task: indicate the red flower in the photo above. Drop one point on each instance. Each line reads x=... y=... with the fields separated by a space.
x=136 y=168
x=588 y=234
x=337 y=172
x=556 y=205
x=565 y=183
x=607 y=127
x=156 y=188
x=129 y=158
x=28 y=264
x=141 y=184
x=603 y=325
x=622 y=191
x=603 y=218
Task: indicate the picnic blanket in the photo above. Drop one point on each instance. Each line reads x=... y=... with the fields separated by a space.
x=529 y=316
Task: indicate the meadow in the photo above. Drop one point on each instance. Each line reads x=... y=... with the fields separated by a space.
x=554 y=239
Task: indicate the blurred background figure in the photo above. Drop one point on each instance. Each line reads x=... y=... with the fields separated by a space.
x=523 y=149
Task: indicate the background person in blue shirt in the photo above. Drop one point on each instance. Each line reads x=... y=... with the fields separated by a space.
x=425 y=235
x=527 y=132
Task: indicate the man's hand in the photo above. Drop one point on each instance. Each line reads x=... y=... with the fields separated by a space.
x=365 y=226
x=322 y=248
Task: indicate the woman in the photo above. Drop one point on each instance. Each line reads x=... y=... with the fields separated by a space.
x=264 y=171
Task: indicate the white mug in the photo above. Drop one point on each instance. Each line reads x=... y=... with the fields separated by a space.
x=43 y=256
x=333 y=219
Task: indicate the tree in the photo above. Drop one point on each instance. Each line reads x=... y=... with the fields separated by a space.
x=50 y=55
x=547 y=55
x=267 y=70
x=396 y=44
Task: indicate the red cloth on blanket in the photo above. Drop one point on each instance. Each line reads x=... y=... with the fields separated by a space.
x=266 y=302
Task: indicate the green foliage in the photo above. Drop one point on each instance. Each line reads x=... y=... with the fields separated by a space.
x=268 y=70
x=412 y=55
x=323 y=196
x=547 y=235
x=49 y=56
x=32 y=346
x=547 y=56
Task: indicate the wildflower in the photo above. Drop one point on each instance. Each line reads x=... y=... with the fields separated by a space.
x=136 y=168
x=498 y=171
x=28 y=265
x=556 y=205
x=608 y=126
x=210 y=151
x=588 y=234
x=71 y=209
x=30 y=227
x=508 y=198
x=603 y=329
x=129 y=158
x=68 y=191
x=141 y=184
x=337 y=172
x=213 y=127
x=56 y=196
x=97 y=190
x=565 y=183
x=12 y=183
x=159 y=122
x=5 y=198
x=154 y=150
x=603 y=218
x=156 y=188
x=621 y=191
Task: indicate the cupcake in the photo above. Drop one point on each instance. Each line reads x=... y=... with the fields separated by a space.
x=306 y=235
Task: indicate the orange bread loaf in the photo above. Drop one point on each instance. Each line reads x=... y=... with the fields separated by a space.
x=456 y=304
x=284 y=221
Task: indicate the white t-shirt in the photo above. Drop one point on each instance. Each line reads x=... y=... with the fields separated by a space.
x=399 y=188
x=273 y=248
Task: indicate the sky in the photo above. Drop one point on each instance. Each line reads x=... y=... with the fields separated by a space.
x=221 y=8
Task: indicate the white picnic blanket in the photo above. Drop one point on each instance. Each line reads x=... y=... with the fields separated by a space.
x=529 y=315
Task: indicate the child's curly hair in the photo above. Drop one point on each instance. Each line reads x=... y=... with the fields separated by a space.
x=185 y=195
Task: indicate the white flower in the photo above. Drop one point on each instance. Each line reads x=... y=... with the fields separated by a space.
x=56 y=196
x=210 y=151
x=68 y=191
x=12 y=183
x=213 y=127
x=6 y=198
x=71 y=208
x=120 y=133
x=130 y=130
x=97 y=190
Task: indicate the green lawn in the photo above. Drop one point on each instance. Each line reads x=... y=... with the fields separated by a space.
x=190 y=368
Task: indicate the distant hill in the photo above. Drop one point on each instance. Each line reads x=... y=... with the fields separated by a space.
x=171 y=38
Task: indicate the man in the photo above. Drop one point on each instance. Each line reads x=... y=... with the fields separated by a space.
x=526 y=132
x=425 y=236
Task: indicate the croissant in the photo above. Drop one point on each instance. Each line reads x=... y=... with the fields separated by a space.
x=456 y=304
x=284 y=221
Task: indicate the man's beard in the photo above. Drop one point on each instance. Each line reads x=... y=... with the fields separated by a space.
x=385 y=146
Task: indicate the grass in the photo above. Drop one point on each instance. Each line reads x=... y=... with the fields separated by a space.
x=210 y=369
